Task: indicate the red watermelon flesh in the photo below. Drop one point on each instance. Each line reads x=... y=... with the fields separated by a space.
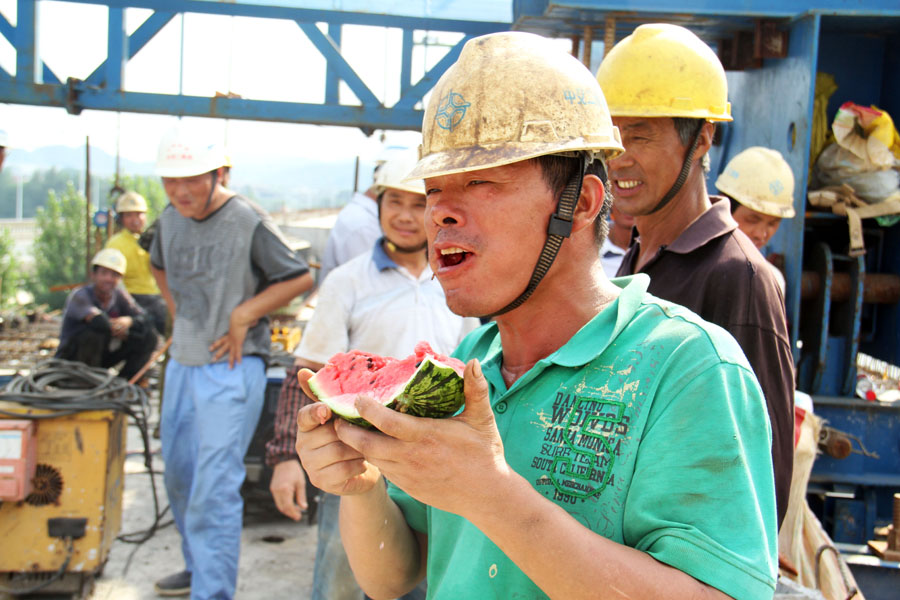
x=424 y=384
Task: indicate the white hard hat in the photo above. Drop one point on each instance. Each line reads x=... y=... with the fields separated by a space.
x=131 y=202
x=4 y=139
x=185 y=153
x=111 y=259
x=760 y=179
x=392 y=174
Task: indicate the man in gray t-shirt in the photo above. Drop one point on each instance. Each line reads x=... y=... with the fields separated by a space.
x=222 y=266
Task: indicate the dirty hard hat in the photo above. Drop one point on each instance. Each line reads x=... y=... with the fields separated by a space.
x=392 y=174
x=185 y=153
x=664 y=70
x=509 y=97
x=111 y=259
x=760 y=179
x=131 y=202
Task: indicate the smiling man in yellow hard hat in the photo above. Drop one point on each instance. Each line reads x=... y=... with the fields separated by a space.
x=666 y=90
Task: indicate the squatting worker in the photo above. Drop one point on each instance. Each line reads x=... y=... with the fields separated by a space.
x=760 y=186
x=222 y=266
x=383 y=301
x=131 y=215
x=665 y=89
x=102 y=324
x=612 y=444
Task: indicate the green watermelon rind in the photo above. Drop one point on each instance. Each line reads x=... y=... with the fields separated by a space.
x=434 y=391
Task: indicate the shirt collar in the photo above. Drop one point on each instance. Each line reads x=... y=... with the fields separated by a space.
x=713 y=223
x=610 y=249
x=587 y=344
x=380 y=257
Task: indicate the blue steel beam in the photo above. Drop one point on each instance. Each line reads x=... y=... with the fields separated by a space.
x=332 y=54
x=104 y=88
x=332 y=80
x=308 y=15
x=136 y=41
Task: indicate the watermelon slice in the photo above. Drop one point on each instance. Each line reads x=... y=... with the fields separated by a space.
x=424 y=384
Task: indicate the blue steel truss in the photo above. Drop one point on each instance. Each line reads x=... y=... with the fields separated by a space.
x=34 y=83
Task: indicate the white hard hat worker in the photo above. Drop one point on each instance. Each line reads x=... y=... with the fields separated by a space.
x=661 y=71
x=510 y=98
x=131 y=211
x=401 y=203
x=111 y=259
x=192 y=167
x=760 y=185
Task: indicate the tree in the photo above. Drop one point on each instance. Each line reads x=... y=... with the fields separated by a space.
x=10 y=273
x=59 y=249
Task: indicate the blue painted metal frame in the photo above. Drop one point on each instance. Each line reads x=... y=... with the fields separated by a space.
x=105 y=88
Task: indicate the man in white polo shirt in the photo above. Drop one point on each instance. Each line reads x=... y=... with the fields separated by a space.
x=383 y=301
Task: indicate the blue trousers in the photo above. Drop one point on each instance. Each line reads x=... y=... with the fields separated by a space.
x=332 y=577
x=209 y=414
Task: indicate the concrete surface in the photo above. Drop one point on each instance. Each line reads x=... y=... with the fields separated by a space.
x=277 y=554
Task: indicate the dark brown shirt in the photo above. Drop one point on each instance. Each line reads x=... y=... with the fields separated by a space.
x=713 y=269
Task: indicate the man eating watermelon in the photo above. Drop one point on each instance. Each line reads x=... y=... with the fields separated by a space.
x=612 y=445
x=384 y=302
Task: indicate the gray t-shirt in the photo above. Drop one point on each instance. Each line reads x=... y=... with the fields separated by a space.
x=214 y=265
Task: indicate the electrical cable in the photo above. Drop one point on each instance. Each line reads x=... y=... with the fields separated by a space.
x=63 y=388
x=70 y=550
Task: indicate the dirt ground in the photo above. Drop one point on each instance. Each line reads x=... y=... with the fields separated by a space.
x=277 y=554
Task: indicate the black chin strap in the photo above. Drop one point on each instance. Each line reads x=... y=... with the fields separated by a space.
x=215 y=180
x=395 y=248
x=560 y=227
x=685 y=170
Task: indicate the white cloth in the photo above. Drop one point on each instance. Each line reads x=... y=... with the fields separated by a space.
x=354 y=232
x=611 y=257
x=371 y=304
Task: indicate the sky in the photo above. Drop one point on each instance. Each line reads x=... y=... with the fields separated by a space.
x=256 y=58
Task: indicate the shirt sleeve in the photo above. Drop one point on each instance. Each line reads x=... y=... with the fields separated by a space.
x=327 y=332
x=702 y=493
x=79 y=306
x=272 y=256
x=291 y=399
x=156 y=254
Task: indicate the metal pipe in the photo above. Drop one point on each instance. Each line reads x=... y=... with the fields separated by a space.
x=878 y=288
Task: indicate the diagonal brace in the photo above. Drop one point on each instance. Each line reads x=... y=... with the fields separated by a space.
x=326 y=46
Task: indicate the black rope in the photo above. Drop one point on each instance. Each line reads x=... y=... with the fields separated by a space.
x=559 y=228
x=59 y=574
x=683 y=175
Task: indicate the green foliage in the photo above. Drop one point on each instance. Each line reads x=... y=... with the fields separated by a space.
x=59 y=250
x=10 y=273
x=34 y=190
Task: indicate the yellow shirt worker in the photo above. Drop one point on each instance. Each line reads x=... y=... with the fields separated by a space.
x=131 y=214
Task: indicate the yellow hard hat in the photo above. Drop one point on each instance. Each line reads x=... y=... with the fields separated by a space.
x=392 y=173
x=131 y=202
x=509 y=97
x=111 y=259
x=664 y=70
x=185 y=153
x=760 y=179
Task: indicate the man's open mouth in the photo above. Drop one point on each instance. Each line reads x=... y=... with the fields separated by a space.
x=450 y=257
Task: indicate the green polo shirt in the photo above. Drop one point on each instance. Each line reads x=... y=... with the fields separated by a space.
x=647 y=426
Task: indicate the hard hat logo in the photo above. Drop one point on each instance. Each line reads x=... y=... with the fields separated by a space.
x=451 y=110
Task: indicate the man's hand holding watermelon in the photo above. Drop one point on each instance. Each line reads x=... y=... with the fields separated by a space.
x=415 y=453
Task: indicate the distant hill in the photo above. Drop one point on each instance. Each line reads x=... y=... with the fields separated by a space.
x=275 y=182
